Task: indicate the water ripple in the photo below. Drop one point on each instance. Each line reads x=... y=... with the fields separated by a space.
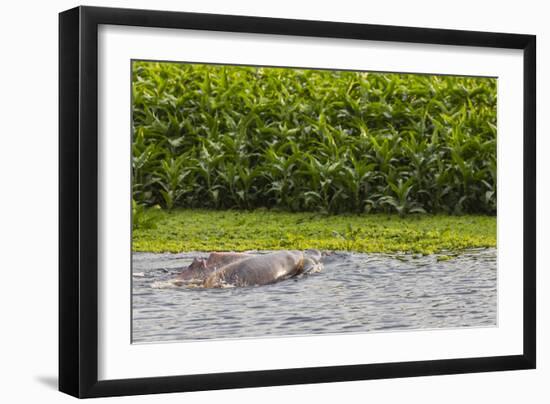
x=354 y=293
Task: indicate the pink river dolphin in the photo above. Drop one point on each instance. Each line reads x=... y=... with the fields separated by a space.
x=223 y=269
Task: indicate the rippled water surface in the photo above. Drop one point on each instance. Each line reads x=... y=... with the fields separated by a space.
x=353 y=293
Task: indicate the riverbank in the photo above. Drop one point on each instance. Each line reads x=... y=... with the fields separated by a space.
x=208 y=230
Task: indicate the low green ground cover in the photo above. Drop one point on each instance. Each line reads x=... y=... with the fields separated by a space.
x=208 y=230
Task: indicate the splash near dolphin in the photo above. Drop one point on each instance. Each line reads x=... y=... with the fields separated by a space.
x=229 y=269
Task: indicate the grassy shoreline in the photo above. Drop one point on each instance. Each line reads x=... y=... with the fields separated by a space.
x=209 y=230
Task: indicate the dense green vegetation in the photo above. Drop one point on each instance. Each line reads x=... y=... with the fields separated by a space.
x=206 y=230
x=309 y=140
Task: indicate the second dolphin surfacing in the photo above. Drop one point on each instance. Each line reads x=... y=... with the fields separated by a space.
x=222 y=269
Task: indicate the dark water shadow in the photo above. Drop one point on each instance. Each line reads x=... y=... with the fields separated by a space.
x=48 y=381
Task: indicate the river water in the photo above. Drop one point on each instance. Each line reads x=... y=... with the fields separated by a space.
x=354 y=293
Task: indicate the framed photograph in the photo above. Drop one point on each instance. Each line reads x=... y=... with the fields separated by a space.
x=250 y=201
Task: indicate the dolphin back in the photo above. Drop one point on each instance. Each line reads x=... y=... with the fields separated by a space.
x=258 y=270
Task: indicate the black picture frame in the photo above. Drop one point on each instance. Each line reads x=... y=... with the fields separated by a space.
x=78 y=201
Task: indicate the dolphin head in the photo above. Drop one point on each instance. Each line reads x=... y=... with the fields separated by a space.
x=196 y=270
x=312 y=261
x=313 y=254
